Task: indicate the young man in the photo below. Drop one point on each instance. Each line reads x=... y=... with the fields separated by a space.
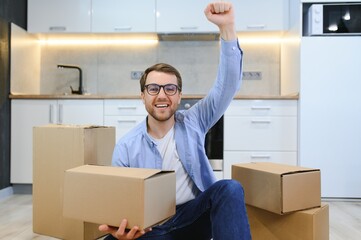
x=171 y=139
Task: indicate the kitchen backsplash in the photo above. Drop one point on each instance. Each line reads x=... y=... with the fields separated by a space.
x=107 y=68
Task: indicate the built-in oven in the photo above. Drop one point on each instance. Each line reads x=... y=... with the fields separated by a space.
x=214 y=138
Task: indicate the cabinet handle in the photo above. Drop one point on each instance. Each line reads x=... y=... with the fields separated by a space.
x=256 y=26
x=51 y=119
x=60 y=116
x=261 y=156
x=57 y=28
x=261 y=108
x=189 y=28
x=261 y=121
x=127 y=121
x=127 y=107
x=124 y=28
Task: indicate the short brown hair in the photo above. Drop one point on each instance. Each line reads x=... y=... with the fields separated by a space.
x=161 y=67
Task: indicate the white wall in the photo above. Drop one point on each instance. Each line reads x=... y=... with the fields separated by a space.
x=25 y=62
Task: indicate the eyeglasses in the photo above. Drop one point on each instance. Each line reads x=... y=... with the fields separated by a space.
x=154 y=89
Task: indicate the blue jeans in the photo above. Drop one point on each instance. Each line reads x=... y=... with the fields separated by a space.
x=218 y=213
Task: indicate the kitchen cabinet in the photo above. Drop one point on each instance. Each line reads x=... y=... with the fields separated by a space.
x=123 y=114
x=330 y=112
x=251 y=15
x=260 y=130
x=162 y=16
x=183 y=17
x=25 y=114
x=261 y=15
x=122 y=16
x=52 y=16
x=79 y=112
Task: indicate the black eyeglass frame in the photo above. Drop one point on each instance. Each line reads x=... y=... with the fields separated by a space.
x=164 y=88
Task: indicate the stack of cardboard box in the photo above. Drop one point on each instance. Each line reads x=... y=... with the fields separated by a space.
x=283 y=201
x=56 y=149
x=75 y=189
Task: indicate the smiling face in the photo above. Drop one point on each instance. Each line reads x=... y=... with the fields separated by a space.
x=161 y=107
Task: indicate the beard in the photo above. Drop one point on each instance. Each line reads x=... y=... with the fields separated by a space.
x=161 y=115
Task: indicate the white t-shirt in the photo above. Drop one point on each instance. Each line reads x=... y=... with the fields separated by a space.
x=184 y=184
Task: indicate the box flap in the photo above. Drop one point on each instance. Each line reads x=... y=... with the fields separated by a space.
x=136 y=173
x=276 y=168
x=295 y=188
x=85 y=126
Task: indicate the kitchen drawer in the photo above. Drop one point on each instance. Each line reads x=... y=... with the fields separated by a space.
x=124 y=107
x=262 y=108
x=260 y=133
x=234 y=157
x=218 y=174
x=122 y=124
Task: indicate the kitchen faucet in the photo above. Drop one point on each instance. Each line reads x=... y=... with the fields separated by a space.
x=80 y=90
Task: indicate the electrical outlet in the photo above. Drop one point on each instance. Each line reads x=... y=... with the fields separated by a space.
x=136 y=75
x=252 y=75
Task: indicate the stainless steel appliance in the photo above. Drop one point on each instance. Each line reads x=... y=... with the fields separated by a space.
x=332 y=19
x=214 y=138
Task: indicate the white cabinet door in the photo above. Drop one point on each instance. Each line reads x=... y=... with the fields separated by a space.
x=25 y=114
x=122 y=124
x=46 y=16
x=123 y=16
x=261 y=15
x=123 y=115
x=80 y=112
x=183 y=17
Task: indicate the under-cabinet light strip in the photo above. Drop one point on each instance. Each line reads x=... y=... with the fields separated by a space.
x=260 y=40
x=98 y=41
x=114 y=41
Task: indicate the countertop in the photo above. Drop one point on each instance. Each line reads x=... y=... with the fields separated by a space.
x=101 y=96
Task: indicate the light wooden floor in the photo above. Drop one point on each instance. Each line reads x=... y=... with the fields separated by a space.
x=16 y=219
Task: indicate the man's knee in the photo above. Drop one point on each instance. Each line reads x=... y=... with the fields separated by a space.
x=231 y=188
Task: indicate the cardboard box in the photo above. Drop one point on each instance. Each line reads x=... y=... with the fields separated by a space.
x=312 y=224
x=56 y=149
x=279 y=188
x=106 y=195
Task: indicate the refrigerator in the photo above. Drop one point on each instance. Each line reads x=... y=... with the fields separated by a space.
x=330 y=112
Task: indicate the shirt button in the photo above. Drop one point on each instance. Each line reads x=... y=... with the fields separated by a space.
x=233 y=48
